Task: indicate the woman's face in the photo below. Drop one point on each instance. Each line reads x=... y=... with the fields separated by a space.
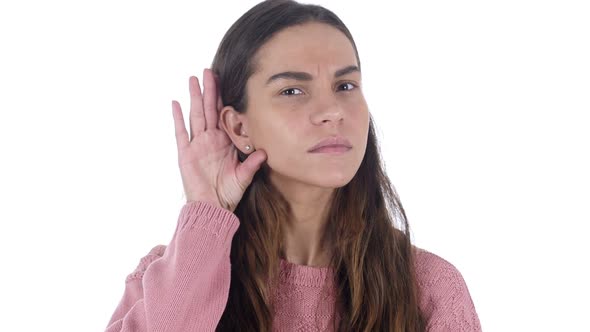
x=287 y=116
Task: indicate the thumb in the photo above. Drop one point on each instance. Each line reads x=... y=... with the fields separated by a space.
x=246 y=170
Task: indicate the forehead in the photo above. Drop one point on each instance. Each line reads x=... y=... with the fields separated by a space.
x=308 y=46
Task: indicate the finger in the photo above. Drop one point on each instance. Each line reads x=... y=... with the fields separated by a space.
x=196 y=116
x=219 y=101
x=179 y=128
x=246 y=170
x=210 y=99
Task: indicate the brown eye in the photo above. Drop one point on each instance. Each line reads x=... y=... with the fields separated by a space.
x=349 y=84
x=288 y=92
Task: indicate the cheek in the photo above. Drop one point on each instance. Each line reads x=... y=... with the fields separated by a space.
x=358 y=114
x=278 y=134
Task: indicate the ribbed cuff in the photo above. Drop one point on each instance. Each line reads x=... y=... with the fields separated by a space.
x=203 y=215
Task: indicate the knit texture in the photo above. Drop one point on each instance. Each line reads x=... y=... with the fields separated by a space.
x=184 y=286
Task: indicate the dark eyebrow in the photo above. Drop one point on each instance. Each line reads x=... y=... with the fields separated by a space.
x=302 y=76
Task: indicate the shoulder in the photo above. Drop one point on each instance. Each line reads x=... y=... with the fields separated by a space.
x=432 y=268
x=444 y=297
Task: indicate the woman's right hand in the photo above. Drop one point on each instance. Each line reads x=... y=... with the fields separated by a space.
x=208 y=161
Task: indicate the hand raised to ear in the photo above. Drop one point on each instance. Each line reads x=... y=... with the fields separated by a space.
x=208 y=160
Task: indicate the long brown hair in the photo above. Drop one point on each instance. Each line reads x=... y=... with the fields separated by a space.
x=367 y=226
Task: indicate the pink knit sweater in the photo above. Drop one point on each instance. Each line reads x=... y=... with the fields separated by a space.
x=184 y=286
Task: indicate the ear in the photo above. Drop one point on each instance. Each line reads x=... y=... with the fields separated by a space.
x=235 y=126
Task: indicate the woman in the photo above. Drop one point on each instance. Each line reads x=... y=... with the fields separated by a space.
x=290 y=220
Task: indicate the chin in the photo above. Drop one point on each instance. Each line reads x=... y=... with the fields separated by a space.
x=333 y=180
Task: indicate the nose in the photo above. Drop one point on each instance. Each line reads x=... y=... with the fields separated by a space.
x=328 y=108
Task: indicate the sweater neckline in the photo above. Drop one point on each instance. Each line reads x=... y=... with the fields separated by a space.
x=304 y=275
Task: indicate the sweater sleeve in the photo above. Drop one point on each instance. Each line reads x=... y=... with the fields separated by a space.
x=183 y=286
x=444 y=297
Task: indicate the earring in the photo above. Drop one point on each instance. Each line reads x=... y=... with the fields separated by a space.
x=247 y=147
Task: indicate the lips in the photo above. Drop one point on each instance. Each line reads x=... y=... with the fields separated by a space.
x=331 y=149
x=332 y=142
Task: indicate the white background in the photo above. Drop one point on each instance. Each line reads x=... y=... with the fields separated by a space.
x=482 y=112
